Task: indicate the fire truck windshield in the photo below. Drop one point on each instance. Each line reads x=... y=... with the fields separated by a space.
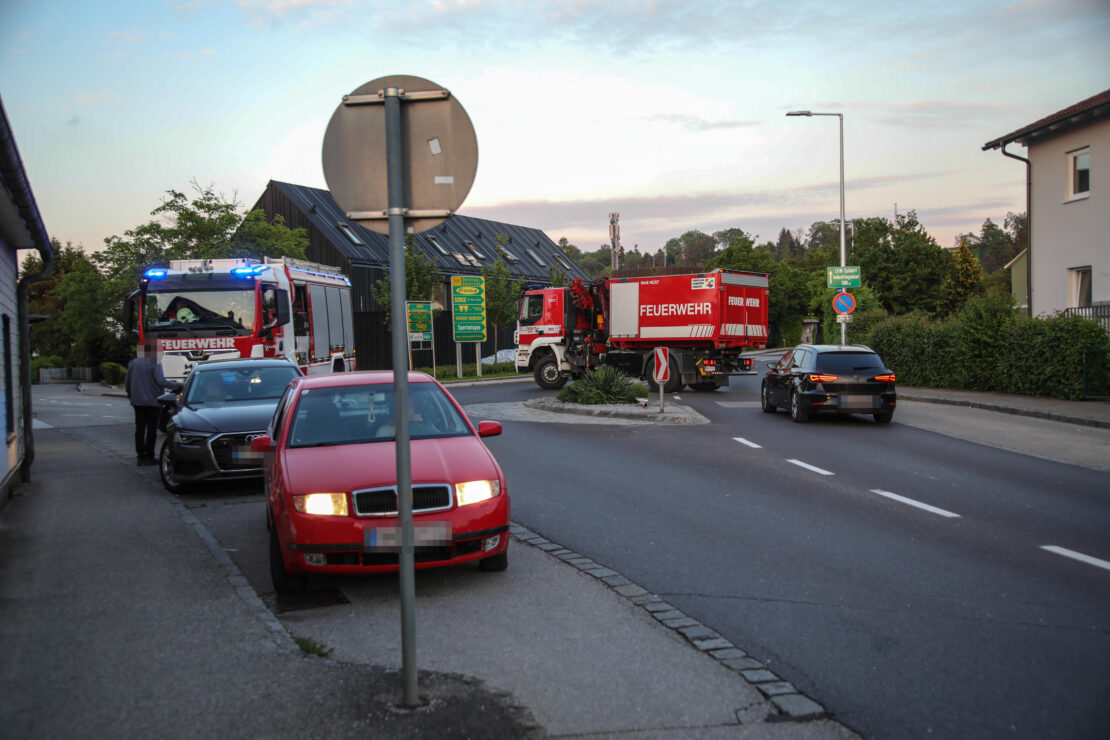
x=199 y=310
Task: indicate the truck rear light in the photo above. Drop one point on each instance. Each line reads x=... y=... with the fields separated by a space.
x=821 y=378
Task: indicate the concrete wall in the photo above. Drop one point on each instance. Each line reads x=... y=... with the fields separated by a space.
x=1070 y=233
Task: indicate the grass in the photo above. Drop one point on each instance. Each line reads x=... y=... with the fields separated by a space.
x=446 y=373
x=312 y=647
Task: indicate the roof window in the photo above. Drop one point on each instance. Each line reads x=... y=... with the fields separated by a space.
x=536 y=257
x=349 y=233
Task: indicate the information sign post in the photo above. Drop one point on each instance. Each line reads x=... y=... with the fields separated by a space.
x=468 y=315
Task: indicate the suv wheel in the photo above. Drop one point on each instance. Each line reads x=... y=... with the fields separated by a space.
x=797 y=413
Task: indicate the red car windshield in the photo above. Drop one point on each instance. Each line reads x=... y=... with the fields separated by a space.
x=357 y=414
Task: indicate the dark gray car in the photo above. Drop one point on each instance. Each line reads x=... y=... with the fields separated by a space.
x=221 y=408
x=813 y=379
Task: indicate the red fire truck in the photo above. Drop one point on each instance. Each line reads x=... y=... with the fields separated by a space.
x=705 y=320
x=197 y=310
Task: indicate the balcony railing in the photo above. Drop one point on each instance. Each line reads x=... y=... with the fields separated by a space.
x=1099 y=312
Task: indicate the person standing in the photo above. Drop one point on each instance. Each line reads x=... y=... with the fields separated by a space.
x=145 y=382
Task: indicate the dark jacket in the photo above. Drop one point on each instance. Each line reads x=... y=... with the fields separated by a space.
x=145 y=382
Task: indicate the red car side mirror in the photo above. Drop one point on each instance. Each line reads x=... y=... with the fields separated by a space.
x=489 y=428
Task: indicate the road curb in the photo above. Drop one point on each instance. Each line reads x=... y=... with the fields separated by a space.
x=791 y=704
x=1005 y=409
x=674 y=413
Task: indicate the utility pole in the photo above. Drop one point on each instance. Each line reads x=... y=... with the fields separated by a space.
x=614 y=242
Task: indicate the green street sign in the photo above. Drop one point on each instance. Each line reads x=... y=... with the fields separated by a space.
x=420 y=320
x=842 y=277
x=468 y=308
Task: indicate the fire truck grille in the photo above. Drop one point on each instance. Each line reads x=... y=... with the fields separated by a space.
x=383 y=501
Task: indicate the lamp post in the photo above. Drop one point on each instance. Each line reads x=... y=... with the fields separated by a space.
x=843 y=242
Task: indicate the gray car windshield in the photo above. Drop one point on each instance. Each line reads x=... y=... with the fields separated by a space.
x=364 y=413
x=216 y=387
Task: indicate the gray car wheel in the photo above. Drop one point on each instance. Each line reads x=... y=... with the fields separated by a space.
x=170 y=479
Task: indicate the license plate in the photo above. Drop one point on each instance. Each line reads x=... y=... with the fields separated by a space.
x=857 y=402
x=388 y=538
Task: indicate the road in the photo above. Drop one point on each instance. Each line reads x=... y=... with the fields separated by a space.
x=897 y=575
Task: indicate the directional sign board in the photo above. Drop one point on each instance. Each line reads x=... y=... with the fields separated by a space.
x=468 y=308
x=662 y=370
x=420 y=320
x=842 y=277
x=844 y=303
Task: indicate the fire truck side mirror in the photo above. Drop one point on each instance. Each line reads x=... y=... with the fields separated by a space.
x=279 y=301
x=130 y=310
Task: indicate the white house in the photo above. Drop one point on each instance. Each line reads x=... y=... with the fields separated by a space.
x=20 y=228
x=1068 y=181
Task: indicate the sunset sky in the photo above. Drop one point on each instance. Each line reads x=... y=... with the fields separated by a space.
x=671 y=113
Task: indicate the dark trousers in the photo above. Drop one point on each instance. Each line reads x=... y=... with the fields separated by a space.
x=146 y=429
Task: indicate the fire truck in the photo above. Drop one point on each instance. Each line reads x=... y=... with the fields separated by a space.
x=198 y=310
x=705 y=320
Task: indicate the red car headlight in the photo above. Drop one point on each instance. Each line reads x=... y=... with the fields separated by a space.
x=476 y=491
x=321 y=504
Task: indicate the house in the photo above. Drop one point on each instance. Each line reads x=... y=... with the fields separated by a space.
x=21 y=227
x=1068 y=202
x=461 y=245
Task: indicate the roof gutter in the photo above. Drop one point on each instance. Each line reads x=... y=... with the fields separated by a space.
x=15 y=178
x=1028 y=225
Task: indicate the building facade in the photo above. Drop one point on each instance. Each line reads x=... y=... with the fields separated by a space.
x=1068 y=178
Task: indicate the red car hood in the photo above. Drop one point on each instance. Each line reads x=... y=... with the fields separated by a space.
x=373 y=465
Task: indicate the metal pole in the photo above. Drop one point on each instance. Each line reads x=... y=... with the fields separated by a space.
x=843 y=244
x=395 y=177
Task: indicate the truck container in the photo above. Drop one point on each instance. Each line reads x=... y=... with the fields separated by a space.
x=706 y=320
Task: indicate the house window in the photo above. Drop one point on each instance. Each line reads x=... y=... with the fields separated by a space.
x=349 y=233
x=536 y=257
x=1079 y=174
x=1079 y=287
x=437 y=245
x=474 y=249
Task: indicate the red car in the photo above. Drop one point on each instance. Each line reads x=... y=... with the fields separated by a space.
x=331 y=482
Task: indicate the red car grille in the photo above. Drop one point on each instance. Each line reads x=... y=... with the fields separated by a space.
x=383 y=501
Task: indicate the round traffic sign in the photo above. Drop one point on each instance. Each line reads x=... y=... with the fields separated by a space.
x=844 y=303
x=440 y=153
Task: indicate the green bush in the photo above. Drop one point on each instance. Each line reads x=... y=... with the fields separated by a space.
x=603 y=385
x=450 y=372
x=112 y=373
x=989 y=346
x=41 y=362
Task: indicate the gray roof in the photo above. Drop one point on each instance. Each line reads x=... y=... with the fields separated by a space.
x=1082 y=113
x=461 y=245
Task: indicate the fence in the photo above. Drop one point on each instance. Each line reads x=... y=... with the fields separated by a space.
x=1099 y=312
x=65 y=374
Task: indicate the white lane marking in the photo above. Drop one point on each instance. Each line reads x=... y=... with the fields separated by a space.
x=753 y=445
x=918 y=504
x=37 y=424
x=807 y=466
x=1077 y=556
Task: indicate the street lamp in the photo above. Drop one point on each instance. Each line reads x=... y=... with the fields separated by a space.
x=843 y=242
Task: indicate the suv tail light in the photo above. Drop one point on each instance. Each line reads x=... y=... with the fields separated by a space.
x=889 y=378
x=822 y=378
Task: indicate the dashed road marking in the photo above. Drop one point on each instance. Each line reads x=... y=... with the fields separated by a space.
x=1077 y=556
x=807 y=466
x=751 y=444
x=914 y=503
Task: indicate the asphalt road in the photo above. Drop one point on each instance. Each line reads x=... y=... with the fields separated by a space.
x=899 y=576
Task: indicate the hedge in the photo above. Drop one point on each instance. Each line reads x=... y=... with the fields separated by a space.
x=112 y=373
x=989 y=346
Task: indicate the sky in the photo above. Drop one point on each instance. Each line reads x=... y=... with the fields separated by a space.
x=668 y=112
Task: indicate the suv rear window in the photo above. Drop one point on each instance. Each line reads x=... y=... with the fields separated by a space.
x=846 y=362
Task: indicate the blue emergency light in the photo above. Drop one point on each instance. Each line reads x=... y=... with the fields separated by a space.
x=154 y=273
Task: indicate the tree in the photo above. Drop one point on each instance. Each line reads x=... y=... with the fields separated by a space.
x=501 y=291
x=571 y=251
x=257 y=237
x=787 y=247
x=692 y=249
x=964 y=282
x=421 y=279
x=901 y=263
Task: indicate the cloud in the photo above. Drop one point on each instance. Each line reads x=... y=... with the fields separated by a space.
x=131 y=35
x=697 y=123
x=302 y=12
x=196 y=56
x=91 y=98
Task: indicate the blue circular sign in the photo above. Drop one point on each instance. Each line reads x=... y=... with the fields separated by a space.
x=844 y=303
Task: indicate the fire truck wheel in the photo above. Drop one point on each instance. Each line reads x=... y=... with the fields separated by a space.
x=547 y=374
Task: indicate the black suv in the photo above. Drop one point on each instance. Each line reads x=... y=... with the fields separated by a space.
x=829 y=379
x=223 y=405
